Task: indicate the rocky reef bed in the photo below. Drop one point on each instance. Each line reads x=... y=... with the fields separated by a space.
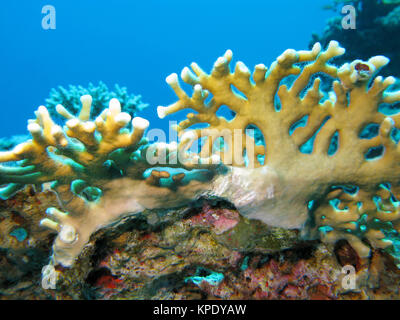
x=206 y=251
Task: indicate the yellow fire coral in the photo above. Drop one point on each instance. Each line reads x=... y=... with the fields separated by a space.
x=296 y=178
x=103 y=172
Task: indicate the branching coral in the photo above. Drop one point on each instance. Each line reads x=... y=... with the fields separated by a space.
x=368 y=214
x=101 y=95
x=103 y=172
x=97 y=169
x=297 y=178
x=70 y=99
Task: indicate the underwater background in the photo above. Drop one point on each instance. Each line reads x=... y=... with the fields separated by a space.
x=136 y=44
x=85 y=215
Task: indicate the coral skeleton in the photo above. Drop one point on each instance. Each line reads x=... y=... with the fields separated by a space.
x=102 y=172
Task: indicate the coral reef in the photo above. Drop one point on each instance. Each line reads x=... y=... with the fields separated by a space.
x=101 y=95
x=105 y=174
x=91 y=165
x=23 y=257
x=170 y=255
x=70 y=99
x=350 y=107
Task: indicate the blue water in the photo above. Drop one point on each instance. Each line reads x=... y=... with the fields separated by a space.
x=136 y=44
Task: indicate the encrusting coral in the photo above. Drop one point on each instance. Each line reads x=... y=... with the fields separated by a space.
x=103 y=172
